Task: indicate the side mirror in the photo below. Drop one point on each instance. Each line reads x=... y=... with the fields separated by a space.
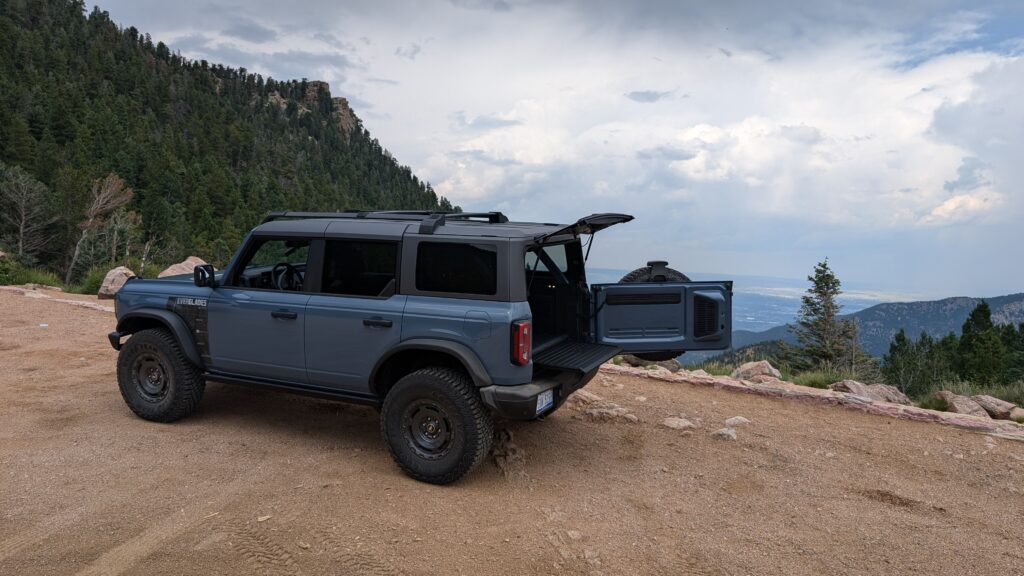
x=202 y=276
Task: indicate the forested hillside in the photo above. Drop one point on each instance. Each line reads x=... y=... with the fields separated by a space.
x=199 y=152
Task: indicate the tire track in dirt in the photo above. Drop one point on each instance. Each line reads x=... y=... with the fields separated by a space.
x=354 y=561
x=266 y=556
x=120 y=558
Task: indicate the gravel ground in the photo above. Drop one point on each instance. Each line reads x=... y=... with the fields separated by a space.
x=269 y=483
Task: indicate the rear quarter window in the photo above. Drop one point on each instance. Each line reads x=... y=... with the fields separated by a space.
x=457 y=268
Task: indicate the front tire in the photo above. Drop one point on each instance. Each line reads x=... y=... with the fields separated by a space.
x=435 y=425
x=156 y=380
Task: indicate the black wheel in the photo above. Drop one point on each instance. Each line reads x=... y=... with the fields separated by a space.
x=156 y=380
x=435 y=425
x=656 y=272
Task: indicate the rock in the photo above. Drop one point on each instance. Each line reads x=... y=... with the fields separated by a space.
x=851 y=387
x=1017 y=415
x=3 y=255
x=672 y=365
x=184 y=267
x=724 y=434
x=113 y=282
x=961 y=404
x=759 y=368
x=677 y=423
x=995 y=407
x=736 y=421
x=876 y=392
x=699 y=373
x=887 y=393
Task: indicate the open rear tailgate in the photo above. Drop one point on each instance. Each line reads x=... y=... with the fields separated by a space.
x=582 y=357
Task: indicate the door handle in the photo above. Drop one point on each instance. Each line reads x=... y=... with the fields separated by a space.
x=284 y=314
x=377 y=322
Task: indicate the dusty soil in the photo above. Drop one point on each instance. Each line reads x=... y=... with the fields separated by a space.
x=258 y=482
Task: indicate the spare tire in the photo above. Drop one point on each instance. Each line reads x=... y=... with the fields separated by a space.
x=656 y=271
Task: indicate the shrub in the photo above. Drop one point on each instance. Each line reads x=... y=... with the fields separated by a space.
x=90 y=283
x=13 y=273
x=712 y=367
x=1013 y=392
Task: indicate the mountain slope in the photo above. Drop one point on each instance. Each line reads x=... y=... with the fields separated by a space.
x=878 y=324
x=207 y=149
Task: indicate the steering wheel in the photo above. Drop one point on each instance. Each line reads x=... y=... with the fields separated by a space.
x=286 y=276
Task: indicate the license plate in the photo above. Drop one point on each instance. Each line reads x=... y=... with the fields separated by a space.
x=545 y=400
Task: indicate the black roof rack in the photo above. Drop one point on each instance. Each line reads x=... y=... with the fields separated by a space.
x=429 y=221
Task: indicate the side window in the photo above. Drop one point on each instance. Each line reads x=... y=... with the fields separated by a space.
x=457 y=268
x=557 y=255
x=275 y=264
x=360 y=268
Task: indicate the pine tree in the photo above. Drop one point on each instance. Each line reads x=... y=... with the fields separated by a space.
x=826 y=341
x=981 y=354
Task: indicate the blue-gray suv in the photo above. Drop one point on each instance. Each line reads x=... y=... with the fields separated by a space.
x=444 y=321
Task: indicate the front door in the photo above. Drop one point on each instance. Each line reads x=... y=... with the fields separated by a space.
x=663 y=316
x=357 y=317
x=257 y=318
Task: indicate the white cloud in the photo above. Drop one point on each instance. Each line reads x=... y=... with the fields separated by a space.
x=747 y=137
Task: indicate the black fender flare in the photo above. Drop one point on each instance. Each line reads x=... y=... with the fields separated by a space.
x=461 y=352
x=171 y=321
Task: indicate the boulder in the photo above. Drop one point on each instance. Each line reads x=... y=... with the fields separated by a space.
x=1017 y=415
x=184 y=267
x=672 y=365
x=887 y=393
x=961 y=404
x=113 y=282
x=699 y=373
x=759 y=368
x=851 y=387
x=996 y=408
x=3 y=255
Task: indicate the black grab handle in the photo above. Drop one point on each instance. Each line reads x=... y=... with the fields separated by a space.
x=377 y=322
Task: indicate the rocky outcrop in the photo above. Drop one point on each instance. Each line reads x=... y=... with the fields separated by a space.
x=1017 y=415
x=113 y=282
x=344 y=117
x=750 y=370
x=996 y=408
x=961 y=404
x=186 y=266
x=794 y=392
x=672 y=365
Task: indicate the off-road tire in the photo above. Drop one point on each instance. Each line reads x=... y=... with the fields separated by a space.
x=645 y=274
x=446 y=397
x=156 y=380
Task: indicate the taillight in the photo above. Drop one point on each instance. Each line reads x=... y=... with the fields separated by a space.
x=521 y=341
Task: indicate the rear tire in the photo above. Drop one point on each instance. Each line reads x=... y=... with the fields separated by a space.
x=435 y=425
x=156 y=380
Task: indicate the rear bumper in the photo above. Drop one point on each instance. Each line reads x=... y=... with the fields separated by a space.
x=520 y=402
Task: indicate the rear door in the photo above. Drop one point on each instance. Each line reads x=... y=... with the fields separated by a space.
x=663 y=316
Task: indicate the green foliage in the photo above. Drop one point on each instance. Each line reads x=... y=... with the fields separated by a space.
x=90 y=283
x=207 y=149
x=714 y=367
x=821 y=378
x=985 y=357
x=14 y=273
x=826 y=342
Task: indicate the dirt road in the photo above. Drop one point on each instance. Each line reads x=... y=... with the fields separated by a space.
x=265 y=483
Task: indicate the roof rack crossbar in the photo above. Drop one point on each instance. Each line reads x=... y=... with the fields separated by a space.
x=429 y=221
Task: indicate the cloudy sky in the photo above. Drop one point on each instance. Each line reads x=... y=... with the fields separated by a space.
x=747 y=138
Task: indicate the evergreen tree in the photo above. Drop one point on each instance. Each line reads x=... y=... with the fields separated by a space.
x=209 y=150
x=826 y=341
x=981 y=355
